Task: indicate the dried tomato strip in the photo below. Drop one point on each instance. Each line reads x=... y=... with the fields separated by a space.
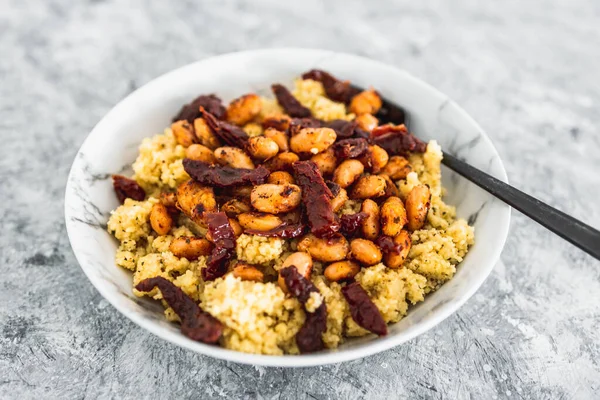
x=387 y=245
x=335 y=89
x=126 y=188
x=350 y=148
x=210 y=103
x=349 y=223
x=224 y=176
x=317 y=199
x=224 y=239
x=395 y=139
x=364 y=312
x=230 y=134
x=289 y=103
x=195 y=323
x=309 y=338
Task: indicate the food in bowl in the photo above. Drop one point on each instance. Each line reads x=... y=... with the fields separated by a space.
x=287 y=225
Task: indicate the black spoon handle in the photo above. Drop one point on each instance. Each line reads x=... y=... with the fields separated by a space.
x=581 y=235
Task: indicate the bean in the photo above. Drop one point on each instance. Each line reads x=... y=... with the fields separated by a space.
x=190 y=247
x=390 y=187
x=244 y=109
x=369 y=186
x=193 y=199
x=280 y=178
x=235 y=207
x=347 y=172
x=205 y=135
x=275 y=199
x=200 y=152
x=341 y=270
x=370 y=226
x=366 y=102
x=236 y=227
x=326 y=161
x=367 y=122
x=395 y=260
x=418 y=201
x=312 y=140
x=303 y=263
x=160 y=219
x=278 y=137
x=234 y=157
x=282 y=162
x=338 y=201
x=262 y=148
x=259 y=221
x=325 y=249
x=397 y=168
x=169 y=199
x=379 y=158
x=278 y=122
x=393 y=216
x=247 y=272
x=365 y=252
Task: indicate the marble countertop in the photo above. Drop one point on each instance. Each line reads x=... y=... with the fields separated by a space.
x=528 y=74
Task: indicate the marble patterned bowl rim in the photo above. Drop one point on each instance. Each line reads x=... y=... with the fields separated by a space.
x=373 y=346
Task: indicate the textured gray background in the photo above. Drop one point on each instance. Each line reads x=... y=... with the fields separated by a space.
x=527 y=71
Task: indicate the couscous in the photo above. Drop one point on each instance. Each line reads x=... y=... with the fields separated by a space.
x=286 y=225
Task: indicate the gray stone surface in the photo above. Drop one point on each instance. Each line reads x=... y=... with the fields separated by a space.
x=527 y=71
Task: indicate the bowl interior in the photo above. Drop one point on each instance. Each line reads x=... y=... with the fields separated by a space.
x=112 y=147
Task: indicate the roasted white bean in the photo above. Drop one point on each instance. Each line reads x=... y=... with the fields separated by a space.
x=369 y=186
x=275 y=199
x=160 y=219
x=418 y=201
x=325 y=249
x=393 y=216
x=312 y=140
x=259 y=221
x=262 y=147
x=244 y=109
x=348 y=172
x=234 y=157
x=341 y=270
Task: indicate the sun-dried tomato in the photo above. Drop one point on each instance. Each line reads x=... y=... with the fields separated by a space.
x=210 y=103
x=289 y=103
x=309 y=338
x=195 y=323
x=231 y=134
x=347 y=129
x=387 y=245
x=335 y=89
x=126 y=188
x=224 y=176
x=316 y=197
x=224 y=239
x=283 y=231
x=395 y=139
x=350 y=148
x=334 y=187
x=362 y=309
x=349 y=223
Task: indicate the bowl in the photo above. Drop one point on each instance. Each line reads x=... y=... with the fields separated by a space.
x=112 y=145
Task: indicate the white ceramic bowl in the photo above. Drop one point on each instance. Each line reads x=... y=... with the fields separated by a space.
x=112 y=146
